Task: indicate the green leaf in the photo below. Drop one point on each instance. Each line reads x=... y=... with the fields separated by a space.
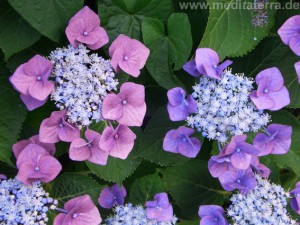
x=151 y=147
x=117 y=170
x=272 y=53
x=15 y=33
x=292 y=158
x=145 y=188
x=49 y=17
x=71 y=185
x=229 y=30
x=12 y=116
x=167 y=51
x=125 y=16
x=189 y=223
x=191 y=185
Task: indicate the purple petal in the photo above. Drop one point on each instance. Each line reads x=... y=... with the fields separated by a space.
x=263 y=102
x=263 y=143
x=190 y=148
x=216 y=169
x=176 y=96
x=170 y=142
x=106 y=199
x=191 y=104
x=206 y=56
x=280 y=99
x=223 y=66
x=289 y=29
x=191 y=68
x=68 y=132
x=297 y=68
x=273 y=77
x=294 y=44
x=208 y=210
x=241 y=160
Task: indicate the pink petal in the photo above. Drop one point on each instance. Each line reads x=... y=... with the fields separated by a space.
x=68 y=132
x=31 y=153
x=121 y=41
x=206 y=56
x=19 y=146
x=107 y=139
x=295 y=44
x=32 y=103
x=79 y=150
x=92 y=135
x=50 y=147
x=102 y=38
x=59 y=219
x=48 y=132
x=40 y=90
x=98 y=156
x=25 y=170
x=20 y=80
x=133 y=116
x=112 y=108
x=49 y=167
x=176 y=96
x=132 y=93
x=38 y=66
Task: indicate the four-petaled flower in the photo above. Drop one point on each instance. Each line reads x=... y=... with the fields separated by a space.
x=240 y=152
x=179 y=141
x=19 y=146
x=128 y=107
x=85 y=28
x=128 y=55
x=80 y=150
x=295 y=201
x=212 y=215
x=56 y=128
x=31 y=81
x=206 y=63
x=118 y=142
x=278 y=140
x=160 y=209
x=289 y=33
x=180 y=107
x=79 y=211
x=110 y=196
x=36 y=164
x=271 y=93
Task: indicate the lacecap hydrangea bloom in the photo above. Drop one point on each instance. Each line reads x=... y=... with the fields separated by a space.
x=21 y=204
x=265 y=204
x=83 y=86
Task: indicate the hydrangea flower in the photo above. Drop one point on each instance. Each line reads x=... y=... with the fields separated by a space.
x=118 y=142
x=56 y=128
x=180 y=107
x=80 y=150
x=212 y=215
x=240 y=152
x=191 y=68
x=129 y=214
x=271 y=93
x=223 y=107
x=31 y=81
x=265 y=204
x=206 y=62
x=297 y=68
x=128 y=107
x=85 y=28
x=179 y=141
x=82 y=81
x=295 y=201
x=160 y=209
x=290 y=34
x=277 y=140
x=110 y=196
x=21 y=204
x=80 y=210
x=19 y=146
x=242 y=180
x=128 y=55
x=36 y=164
